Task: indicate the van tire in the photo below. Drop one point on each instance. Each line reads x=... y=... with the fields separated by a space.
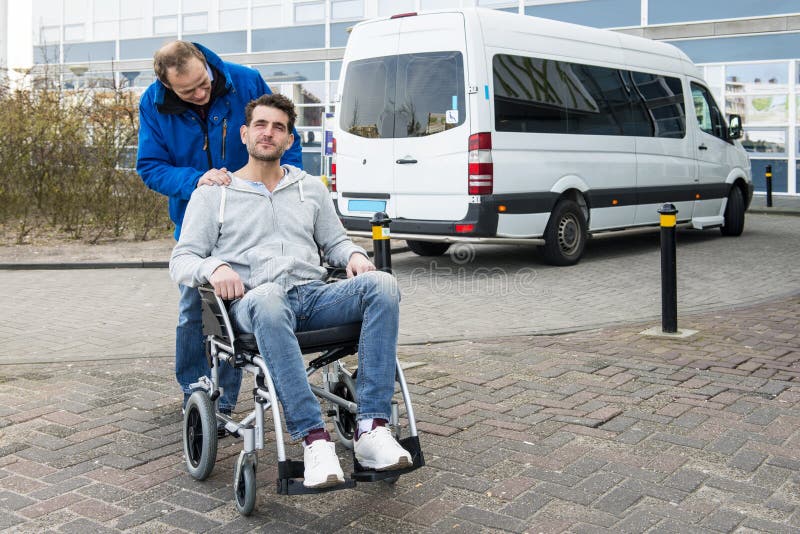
x=734 y=214
x=427 y=248
x=565 y=234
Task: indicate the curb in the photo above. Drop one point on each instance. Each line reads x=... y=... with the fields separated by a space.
x=66 y=266
x=775 y=211
x=84 y=265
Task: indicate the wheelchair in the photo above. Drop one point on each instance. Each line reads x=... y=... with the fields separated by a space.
x=338 y=391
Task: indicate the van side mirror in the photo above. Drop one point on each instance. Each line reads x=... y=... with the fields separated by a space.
x=735 y=130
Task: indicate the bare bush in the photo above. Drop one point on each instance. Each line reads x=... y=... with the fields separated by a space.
x=65 y=158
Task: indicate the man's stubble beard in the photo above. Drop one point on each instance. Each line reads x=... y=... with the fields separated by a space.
x=268 y=157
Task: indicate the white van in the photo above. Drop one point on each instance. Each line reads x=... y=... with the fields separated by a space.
x=484 y=126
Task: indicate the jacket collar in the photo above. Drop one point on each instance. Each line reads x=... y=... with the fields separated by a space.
x=167 y=101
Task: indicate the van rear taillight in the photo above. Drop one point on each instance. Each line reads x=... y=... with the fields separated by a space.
x=403 y=15
x=480 y=179
x=333 y=165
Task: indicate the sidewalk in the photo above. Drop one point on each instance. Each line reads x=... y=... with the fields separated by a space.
x=598 y=431
x=783 y=205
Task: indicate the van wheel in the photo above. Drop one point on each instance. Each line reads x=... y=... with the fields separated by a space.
x=565 y=234
x=427 y=248
x=734 y=214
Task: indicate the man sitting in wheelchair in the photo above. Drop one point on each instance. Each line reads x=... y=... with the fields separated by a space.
x=257 y=242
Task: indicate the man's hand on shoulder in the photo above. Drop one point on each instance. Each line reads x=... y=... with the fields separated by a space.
x=215 y=177
x=227 y=283
x=358 y=264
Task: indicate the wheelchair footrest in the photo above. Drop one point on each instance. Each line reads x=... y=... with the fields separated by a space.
x=411 y=444
x=290 y=475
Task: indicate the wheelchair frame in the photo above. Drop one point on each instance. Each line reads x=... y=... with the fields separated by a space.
x=338 y=389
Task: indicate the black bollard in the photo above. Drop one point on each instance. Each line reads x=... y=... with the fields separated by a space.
x=380 y=241
x=768 y=178
x=669 y=282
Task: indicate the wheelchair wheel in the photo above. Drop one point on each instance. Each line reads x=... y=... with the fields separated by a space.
x=244 y=488
x=345 y=422
x=199 y=435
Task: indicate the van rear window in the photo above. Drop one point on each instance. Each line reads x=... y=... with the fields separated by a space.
x=549 y=96
x=409 y=95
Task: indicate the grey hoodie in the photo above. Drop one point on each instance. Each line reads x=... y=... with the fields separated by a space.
x=263 y=239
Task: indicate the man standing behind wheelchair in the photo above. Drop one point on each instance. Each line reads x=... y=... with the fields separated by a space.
x=257 y=242
x=187 y=137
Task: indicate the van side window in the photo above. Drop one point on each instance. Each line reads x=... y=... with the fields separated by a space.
x=708 y=114
x=410 y=95
x=662 y=98
x=548 y=96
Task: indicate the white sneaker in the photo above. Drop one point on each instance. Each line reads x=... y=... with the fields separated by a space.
x=378 y=450
x=322 y=467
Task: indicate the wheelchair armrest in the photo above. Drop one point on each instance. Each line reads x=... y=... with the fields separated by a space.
x=335 y=273
x=215 y=314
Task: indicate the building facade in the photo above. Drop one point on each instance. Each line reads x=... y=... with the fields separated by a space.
x=749 y=51
x=3 y=38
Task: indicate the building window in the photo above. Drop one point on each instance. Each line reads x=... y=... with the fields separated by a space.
x=131 y=22
x=49 y=35
x=74 y=32
x=233 y=14
x=195 y=22
x=387 y=8
x=495 y=3
x=347 y=9
x=75 y=11
x=267 y=13
x=765 y=141
x=165 y=25
x=194 y=6
x=427 y=5
x=758 y=92
x=309 y=12
x=165 y=7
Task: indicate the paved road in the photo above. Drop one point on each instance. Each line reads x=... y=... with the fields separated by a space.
x=473 y=292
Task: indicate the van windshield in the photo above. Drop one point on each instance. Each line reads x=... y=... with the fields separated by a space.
x=410 y=95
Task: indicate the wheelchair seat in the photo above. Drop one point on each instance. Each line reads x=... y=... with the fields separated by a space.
x=310 y=341
x=216 y=322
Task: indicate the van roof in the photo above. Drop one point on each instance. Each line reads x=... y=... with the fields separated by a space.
x=502 y=29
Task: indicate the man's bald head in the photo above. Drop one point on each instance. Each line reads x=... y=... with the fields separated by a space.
x=175 y=55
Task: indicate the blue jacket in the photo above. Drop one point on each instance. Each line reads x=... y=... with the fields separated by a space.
x=176 y=147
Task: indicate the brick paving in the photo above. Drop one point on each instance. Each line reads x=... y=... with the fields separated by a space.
x=525 y=429
x=595 y=431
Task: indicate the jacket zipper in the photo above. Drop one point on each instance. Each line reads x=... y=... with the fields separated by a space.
x=224 y=135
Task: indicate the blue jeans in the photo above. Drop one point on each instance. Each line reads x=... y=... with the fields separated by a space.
x=190 y=352
x=273 y=315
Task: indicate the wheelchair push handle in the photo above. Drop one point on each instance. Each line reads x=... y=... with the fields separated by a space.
x=380 y=241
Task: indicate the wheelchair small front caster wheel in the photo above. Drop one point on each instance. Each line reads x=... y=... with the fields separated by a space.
x=244 y=486
x=199 y=435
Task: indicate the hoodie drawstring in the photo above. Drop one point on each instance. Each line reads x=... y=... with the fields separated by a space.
x=221 y=217
x=300 y=183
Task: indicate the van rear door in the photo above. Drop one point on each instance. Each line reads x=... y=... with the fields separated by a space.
x=431 y=124
x=365 y=115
